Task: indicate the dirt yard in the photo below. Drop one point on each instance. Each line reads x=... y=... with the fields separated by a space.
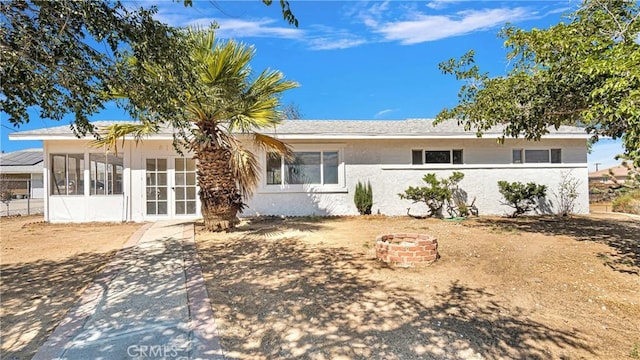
x=44 y=268
x=542 y=288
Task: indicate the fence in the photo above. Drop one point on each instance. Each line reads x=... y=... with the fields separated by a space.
x=20 y=196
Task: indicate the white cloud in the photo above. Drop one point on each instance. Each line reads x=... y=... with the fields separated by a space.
x=235 y=28
x=382 y=113
x=372 y=15
x=322 y=37
x=441 y=4
x=327 y=43
x=423 y=28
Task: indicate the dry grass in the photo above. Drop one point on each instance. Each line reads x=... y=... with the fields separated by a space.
x=534 y=288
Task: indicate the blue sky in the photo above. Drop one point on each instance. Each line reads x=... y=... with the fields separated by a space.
x=363 y=60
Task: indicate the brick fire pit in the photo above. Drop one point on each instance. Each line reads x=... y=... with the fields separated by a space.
x=406 y=250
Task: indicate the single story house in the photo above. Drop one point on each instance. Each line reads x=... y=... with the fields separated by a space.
x=22 y=172
x=620 y=172
x=150 y=180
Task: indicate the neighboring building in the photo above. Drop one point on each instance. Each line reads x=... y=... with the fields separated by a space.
x=150 y=181
x=22 y=170
x=603 y=176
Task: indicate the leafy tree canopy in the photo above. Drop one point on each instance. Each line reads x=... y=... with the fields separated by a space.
x=65 y=57
x=585 y=71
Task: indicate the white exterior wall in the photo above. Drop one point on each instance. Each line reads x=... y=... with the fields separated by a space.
x=128 y=206
x=387 y=165
x=81 y=208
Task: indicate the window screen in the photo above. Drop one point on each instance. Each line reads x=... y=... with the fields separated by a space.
x=437 y=157
x=536 y=156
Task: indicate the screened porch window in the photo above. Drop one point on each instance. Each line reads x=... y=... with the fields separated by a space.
x=106 y=174
x=67 y=174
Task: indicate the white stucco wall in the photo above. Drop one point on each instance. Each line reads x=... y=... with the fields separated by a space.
x=385 y=163
x=81 y=208
x=128 y=206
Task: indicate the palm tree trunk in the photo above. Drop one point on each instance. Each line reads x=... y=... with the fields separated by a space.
x=219 y=194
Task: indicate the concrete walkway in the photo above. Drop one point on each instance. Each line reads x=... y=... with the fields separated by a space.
x=149 y=302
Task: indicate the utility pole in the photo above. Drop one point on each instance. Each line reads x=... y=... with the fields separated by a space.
x=596 y=164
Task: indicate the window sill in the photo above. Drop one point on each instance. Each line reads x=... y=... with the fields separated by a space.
x=484 y=166
x=280 y=189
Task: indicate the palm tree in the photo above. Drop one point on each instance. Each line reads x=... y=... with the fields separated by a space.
x=226 y=107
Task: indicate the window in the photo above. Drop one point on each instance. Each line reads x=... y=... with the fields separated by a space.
x=556 y=156
x=539 y=156
x=517 y=156
x=436 y=157
x=67 y=174
x=274 y=169
x=106 y=174
x=416 y=157
x=536 y=156
x=304 y=167
x=457 y=156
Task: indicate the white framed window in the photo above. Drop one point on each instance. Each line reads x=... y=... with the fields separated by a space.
x=536 y=156
x=308 y=167
x=105 y=171
x=67 y=174
x=448 y=156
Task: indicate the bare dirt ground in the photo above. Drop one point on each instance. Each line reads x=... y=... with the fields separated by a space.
x=44 y=268
x=534 y=288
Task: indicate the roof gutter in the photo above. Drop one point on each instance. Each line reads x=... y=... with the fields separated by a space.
x=19 y=136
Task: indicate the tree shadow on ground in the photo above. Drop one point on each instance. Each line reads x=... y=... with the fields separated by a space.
x=623 y=236
x=270 y=226
x=281 y=299
x=37 y=295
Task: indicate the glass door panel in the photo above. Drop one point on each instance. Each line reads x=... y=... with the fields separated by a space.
x=157 y=188
x=185 y=186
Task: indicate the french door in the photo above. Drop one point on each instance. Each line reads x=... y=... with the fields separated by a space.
x=171 y=188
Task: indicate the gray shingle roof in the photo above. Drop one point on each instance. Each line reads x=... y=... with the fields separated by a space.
x=409 y=127
x=21 y=158
x=328 y=128
x=23 y=161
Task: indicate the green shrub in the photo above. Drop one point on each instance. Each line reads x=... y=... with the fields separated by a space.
x=363 y=198
x=628 y=203
x=523 y=198
x=567 y=193
x=435 y=194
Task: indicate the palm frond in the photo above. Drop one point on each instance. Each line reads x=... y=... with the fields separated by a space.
x=258 y=106
x=271 y=144
x=108 y=136
x=244 y=166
